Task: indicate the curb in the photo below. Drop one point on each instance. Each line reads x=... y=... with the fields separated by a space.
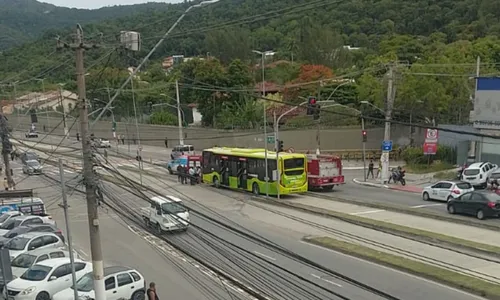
x=377 y=185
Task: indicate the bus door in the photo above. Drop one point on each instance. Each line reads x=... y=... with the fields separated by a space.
x=224 y=171
x=242 y=173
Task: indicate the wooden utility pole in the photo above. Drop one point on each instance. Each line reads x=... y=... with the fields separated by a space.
x=88 y=173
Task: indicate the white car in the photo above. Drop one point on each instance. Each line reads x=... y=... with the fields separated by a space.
x=24 y=261
x=119 y=282
x=166 y=214
x=7 y=215
x=32 y=240
x=103 y=143
x=478 y=174
x=32 y=167
x=45 y=279
x=446 y=190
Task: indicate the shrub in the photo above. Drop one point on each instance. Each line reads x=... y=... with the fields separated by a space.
x=415 y=155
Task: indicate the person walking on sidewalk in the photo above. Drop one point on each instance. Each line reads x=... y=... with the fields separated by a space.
x=151 y=292
x=370 y=169
x=379 y=169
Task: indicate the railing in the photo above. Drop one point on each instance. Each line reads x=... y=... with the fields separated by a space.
x=355 y=154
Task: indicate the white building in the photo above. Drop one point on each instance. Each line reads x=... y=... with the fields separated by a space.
x=47 y=101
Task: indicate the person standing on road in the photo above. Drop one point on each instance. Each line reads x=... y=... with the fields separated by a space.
x=370 y=169
x=179 y=173
x=151 y=292
x=166 y=142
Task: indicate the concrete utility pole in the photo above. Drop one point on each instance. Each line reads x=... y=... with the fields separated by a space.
x=88 y=172
x=6 y=148
x=179 y=114
x=139 y=147
x=65 y=206
x=391 y=92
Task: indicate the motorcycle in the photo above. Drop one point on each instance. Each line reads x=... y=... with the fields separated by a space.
x=398 y=176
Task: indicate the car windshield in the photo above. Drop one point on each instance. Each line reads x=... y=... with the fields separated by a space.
x=4 y=218
x=85 y=284
x=33 y=163
x=18 y=243
x=471 y=172
x=172 y=208
x=24 y=260
x=31 y=156
x=464 y=185
x=36 y=273
x=294 y=163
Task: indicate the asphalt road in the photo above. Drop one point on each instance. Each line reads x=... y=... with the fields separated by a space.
x=225 y=208
x=123 y=245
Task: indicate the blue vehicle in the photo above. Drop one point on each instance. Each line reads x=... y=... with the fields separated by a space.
x=185 y=160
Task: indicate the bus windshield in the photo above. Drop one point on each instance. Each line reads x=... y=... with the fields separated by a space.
x=294 y=163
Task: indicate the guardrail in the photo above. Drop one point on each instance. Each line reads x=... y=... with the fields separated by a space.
x=357 y=154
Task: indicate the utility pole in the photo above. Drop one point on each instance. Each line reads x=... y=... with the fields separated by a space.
x=63 y=112
x=179 y=115
x=65 y=206
x=139 y=148
x=88 y=172
x=14 y=84
x=388 y=116
x=6 y=148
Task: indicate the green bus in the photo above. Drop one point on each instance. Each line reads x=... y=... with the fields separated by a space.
x=244 y=169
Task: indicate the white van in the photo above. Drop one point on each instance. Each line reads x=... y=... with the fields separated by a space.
x=182 y=150
x=166 y=214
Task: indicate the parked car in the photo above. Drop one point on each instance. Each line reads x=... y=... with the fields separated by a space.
x=46 y=278
x=478 y=174
x=446 y=190
x=25 y=156
x=495 y=178
x=120 y=283
x=482 y=204
x=102 y=143
x=33 y=240
x=24 y=261
x=9 y=215
x=23 y=221
x=31 y=228
x=32 y=167
x=31 y=134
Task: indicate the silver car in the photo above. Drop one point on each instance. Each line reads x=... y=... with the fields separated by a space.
x=24 y=261
x=31 y=241
x=31 y=167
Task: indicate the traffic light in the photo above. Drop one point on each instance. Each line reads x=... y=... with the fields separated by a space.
x=311 y=105
x=280 y=146
x=365 y=136
x=316 y=112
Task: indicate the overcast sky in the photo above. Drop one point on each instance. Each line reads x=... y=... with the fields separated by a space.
x=92 y=4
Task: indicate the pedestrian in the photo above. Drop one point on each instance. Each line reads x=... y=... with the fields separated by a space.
x=106 y=156
x=370 y=169
x=78 y=136
x=151 y=292
x=379 y=169
x=166 y=142
x=44 y=128
x=123 y=139
x=179 y=173
x=5 y=183
x=184 y=174
x=12 y=155
x=192 y=173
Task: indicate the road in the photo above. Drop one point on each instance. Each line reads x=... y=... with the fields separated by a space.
x=175 y=278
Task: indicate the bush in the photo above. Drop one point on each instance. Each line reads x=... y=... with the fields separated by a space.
x=162 y=118
x=415 y=155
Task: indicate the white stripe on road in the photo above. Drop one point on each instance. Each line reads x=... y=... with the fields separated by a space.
x=265 y=256
x=427 y=205
x=366 y=212
x=325 y=280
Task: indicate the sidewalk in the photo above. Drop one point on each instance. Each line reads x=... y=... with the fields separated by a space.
x=391 y=186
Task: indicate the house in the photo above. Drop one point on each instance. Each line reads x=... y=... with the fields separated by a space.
x=43 y=101
x=196 y=114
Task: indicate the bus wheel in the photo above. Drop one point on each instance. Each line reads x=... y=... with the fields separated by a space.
x=255 y=189
x=216 y=182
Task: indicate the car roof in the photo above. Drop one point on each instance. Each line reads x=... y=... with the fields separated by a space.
x=166 y=199
x=57 y=261
x=475 y=166
x=26 y=217
x=13 y=212
x=42 y=251
x=116 y=269
x=33 y=234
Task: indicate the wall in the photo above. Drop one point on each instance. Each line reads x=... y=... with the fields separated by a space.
x=331 y=139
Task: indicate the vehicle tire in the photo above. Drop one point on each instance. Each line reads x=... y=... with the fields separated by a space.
x=426 y=197
x=328 y=188
x=170 y=171
x=158 y=228
x=42 y=296
x=255 y=189
x=480 y=214
x=216 y=182
x=403 y=181
x=138 y=295
x=451 y=209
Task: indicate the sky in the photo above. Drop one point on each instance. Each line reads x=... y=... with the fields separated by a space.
x=93 y=4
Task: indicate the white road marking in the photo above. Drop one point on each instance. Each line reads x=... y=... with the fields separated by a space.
x=427 y=205
x=265 y=256
x=366 y=212
x=394 y=270
x=325 y=280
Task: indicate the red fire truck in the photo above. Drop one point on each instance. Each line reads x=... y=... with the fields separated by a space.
x=324 y=171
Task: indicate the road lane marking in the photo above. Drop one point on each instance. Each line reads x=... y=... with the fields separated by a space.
x=366 y=212
x=325 y=280
x=265 y=256
x=427 y=205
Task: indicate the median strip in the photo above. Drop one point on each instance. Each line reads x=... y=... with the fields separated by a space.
x=461 y=281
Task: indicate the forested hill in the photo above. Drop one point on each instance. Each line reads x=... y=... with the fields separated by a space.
x=24 y=20
x=229 y=28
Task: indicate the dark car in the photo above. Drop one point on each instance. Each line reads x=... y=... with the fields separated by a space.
x=30 y=228
x=481 y=204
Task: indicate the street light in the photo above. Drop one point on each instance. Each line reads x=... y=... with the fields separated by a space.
x=263 y=55
x=134 y=72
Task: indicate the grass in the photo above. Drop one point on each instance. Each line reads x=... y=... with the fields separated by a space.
x=446 y=175
x=424 y=168
x=451 y=278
